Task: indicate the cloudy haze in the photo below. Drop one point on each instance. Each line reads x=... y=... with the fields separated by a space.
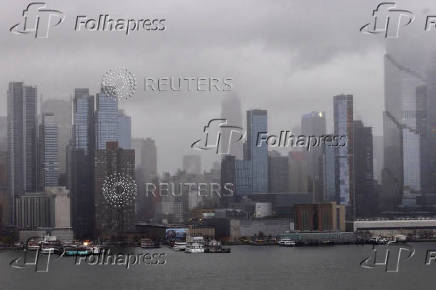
x=289 y=57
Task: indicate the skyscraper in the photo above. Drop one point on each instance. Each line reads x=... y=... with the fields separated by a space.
x=125 y=130
x=343 y=126
x=314 y=124
x=363 y=170
x=81 y=165
x=63 y=117
x=109 y=220
x=48 y=148
x=402 y=136
x=278 y=172
x=22 y=146
x=231 y=111
x=107 y=122
x=257 y=121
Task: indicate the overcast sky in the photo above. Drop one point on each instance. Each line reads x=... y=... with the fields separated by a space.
x=287 y=56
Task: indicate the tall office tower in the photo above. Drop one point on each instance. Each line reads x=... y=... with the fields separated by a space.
x=298 y=172
x=4 y=197
x=22 y=147
x=106 y=120
x=314 y=124
x=146 y=172
x=343 y=126
x=430 y=155
x=329 y=173
x=363 y=170
x=278 y=172
x=231 y=111
x=257 y=121
x=48 y=151
x=4 y=214
x=228 y=175
x=63 y=117
x=378 y=157
x=125 y=130
x=81 y=165
x=146 y=157
x=192 y=164
x=30 y=127
x=110 y=220
x=402 y=137
x=3 y=133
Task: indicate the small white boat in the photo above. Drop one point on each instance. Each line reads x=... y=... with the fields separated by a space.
x=195 y=245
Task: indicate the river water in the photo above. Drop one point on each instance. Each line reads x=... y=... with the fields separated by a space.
x=246 y=267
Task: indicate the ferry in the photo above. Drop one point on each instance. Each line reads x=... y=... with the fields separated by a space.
x=195 y=245
x=286 y=242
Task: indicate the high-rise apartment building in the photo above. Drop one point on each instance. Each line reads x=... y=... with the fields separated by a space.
x=343 y=126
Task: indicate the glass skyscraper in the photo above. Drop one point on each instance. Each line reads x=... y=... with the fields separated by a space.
x=22 y=147
x=49 y=156
x=343 y=123
x=107 y=127
x=402 y=135
x=257 y=121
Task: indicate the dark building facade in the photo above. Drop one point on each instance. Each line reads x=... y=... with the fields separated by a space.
x=363 y=170
x=113 y=221
x=81 y=165
x=22 y=142
x=278 y=172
